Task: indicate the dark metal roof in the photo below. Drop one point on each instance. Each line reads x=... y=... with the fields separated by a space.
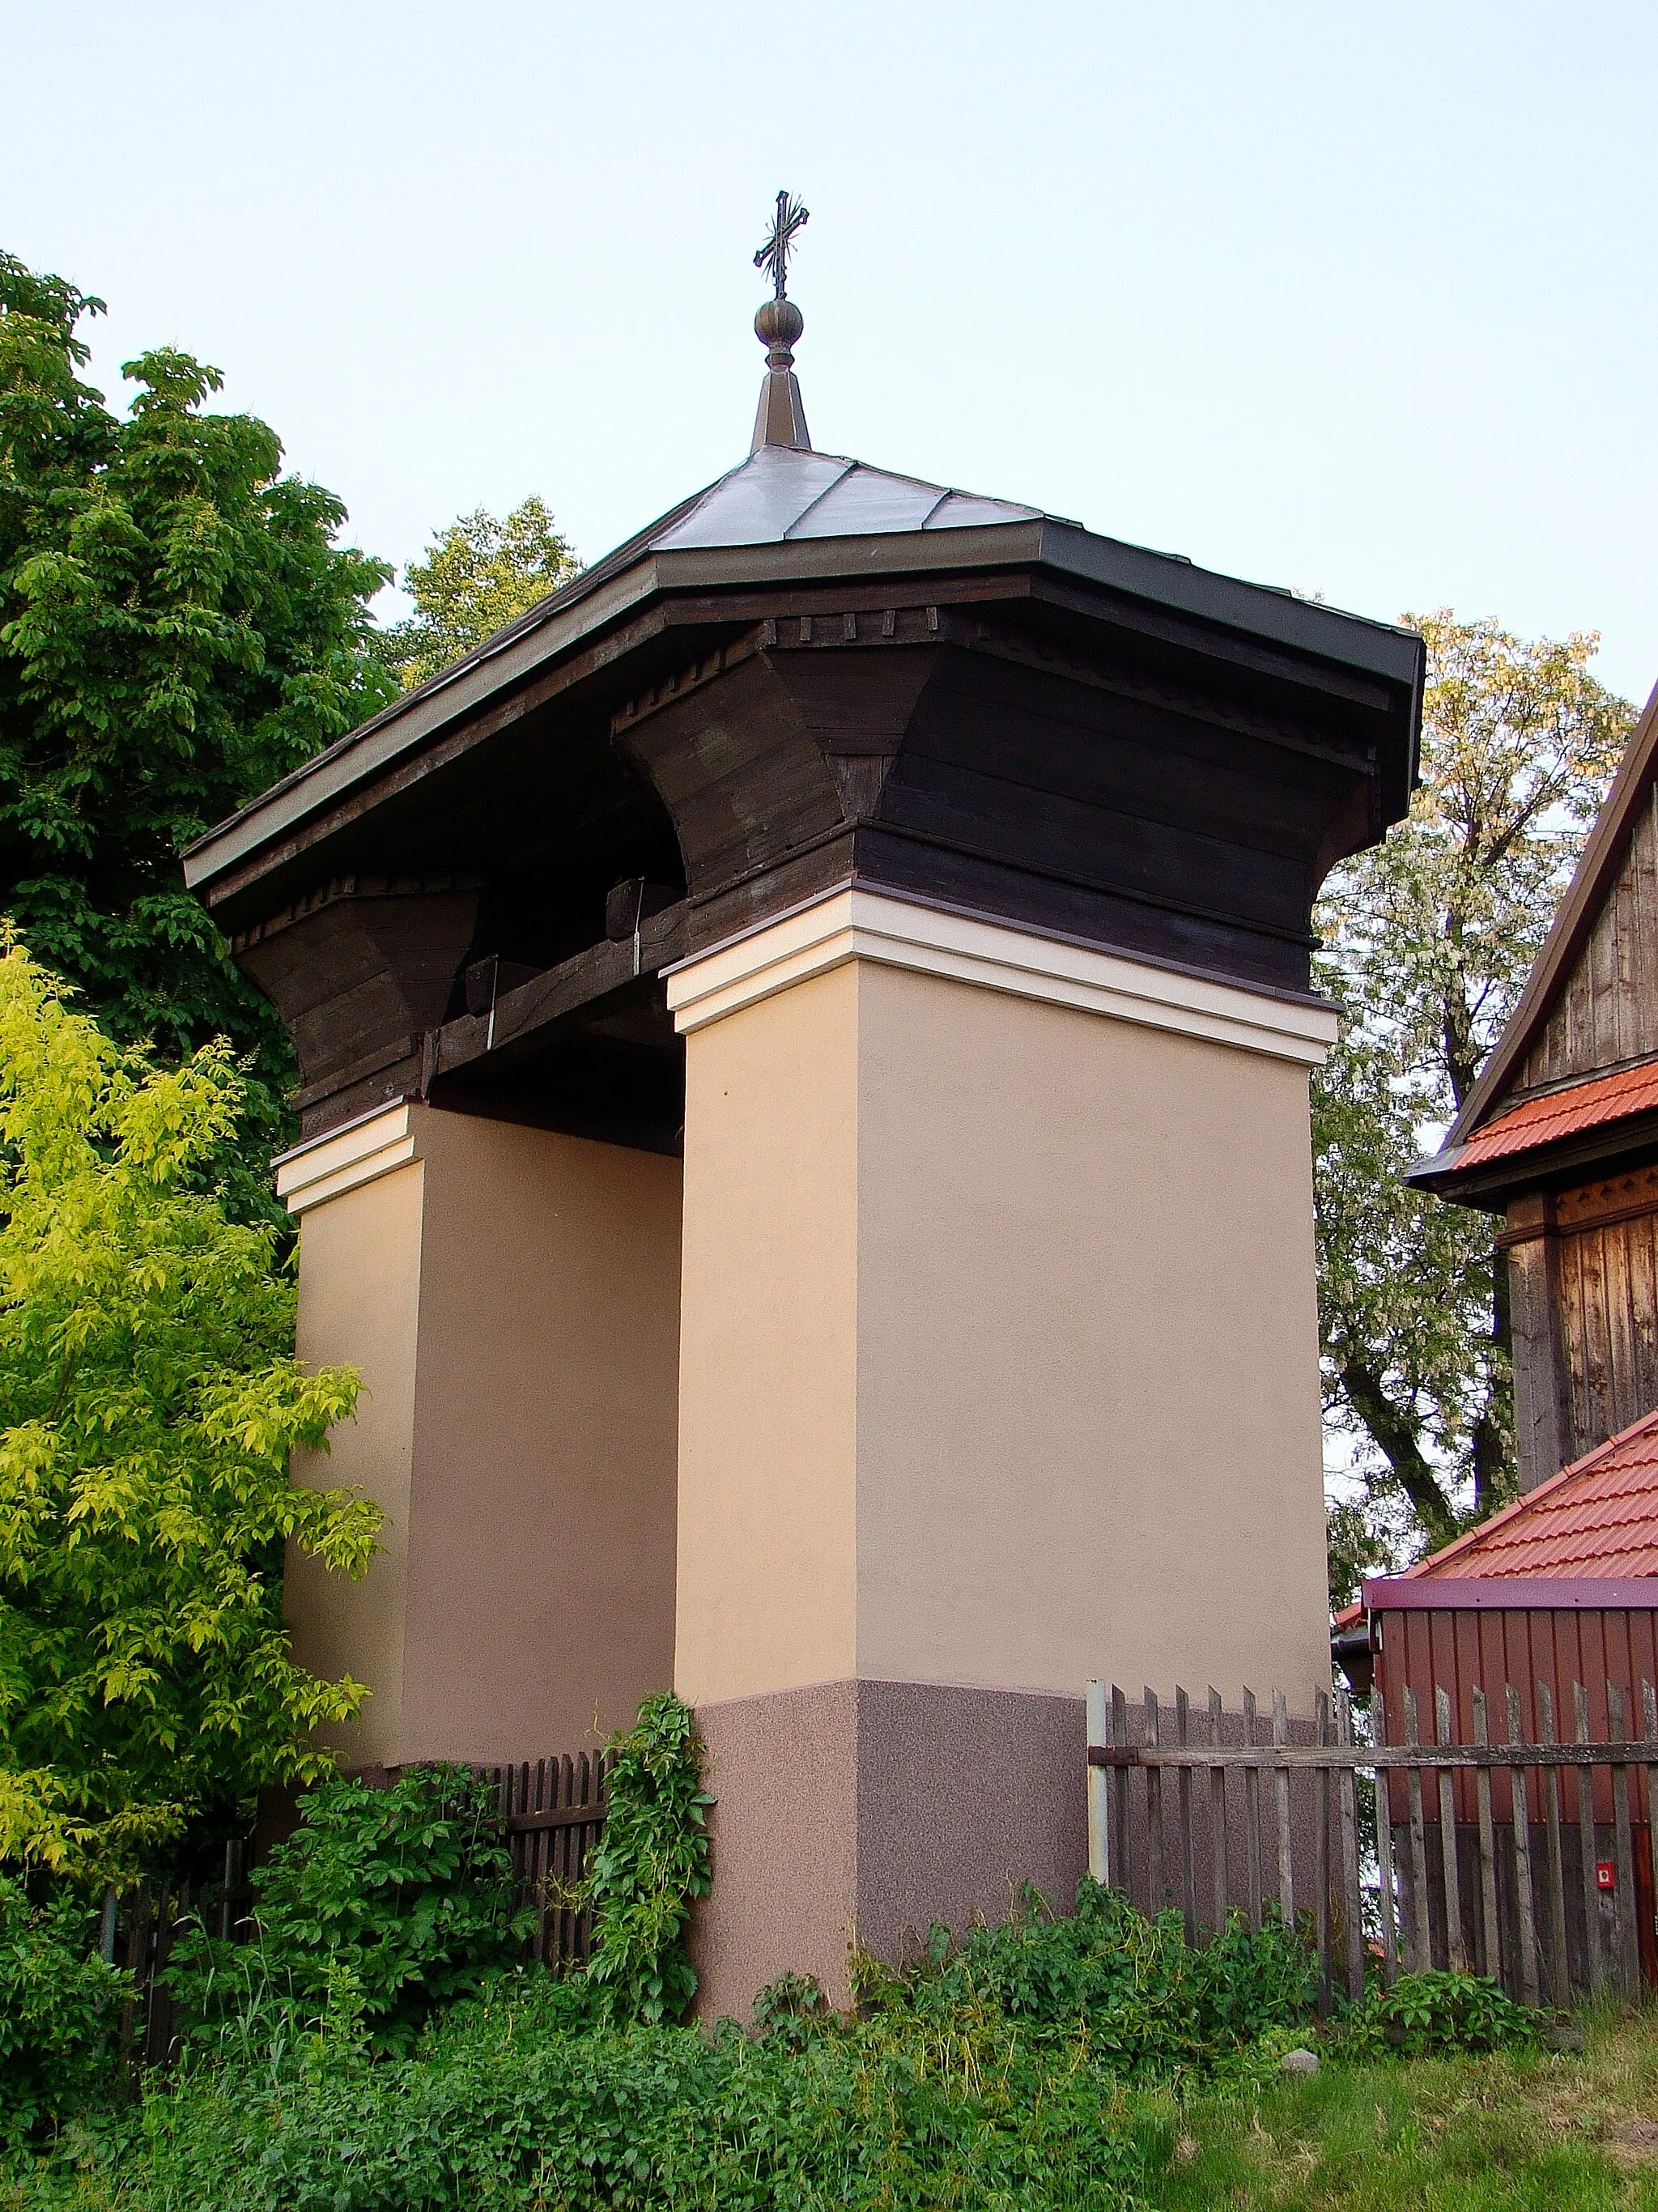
x=780 y=494
x=787 y=515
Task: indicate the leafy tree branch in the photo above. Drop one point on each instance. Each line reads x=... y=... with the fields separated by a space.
x=148 y=1405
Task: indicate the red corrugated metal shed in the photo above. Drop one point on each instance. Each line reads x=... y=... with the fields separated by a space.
x=1596 y=1519
x=1558 y=1590
x=1598 y=1516
x=1564 y=1113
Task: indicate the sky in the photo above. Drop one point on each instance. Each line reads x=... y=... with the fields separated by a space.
x=1358 y=300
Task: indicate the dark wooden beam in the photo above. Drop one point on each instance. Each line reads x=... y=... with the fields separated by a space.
x=522 y=1021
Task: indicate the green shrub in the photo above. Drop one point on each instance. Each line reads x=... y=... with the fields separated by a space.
x=60 y=2010
x=382 y=1907
x=1431 y=2015
x=1148 y=2002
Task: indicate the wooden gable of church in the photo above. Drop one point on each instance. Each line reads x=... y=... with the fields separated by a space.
x=1606 y=1013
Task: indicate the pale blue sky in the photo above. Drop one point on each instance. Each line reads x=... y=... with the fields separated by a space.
x=1356 y=299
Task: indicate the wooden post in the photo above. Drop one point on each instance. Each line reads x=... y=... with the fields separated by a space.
x=1099 y=1787
x=1119 y=1788
x=1321 y=1916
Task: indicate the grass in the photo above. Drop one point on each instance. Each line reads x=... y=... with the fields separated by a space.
x=1549 y=2133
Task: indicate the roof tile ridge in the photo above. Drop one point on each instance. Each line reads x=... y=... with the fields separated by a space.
x=1470 y=1538
x=1540 y=1103
x=847 y=468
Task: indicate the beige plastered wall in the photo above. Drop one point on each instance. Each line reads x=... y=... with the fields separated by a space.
x=999 y=1354
x=511 y=1297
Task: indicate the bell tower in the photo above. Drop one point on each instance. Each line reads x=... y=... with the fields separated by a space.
x=805 y=1039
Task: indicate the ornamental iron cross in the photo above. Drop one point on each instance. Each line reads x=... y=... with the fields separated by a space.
x=774 y=255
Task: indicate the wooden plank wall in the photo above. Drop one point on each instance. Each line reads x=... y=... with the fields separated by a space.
x=1607 y=1293
x=1609 y=1010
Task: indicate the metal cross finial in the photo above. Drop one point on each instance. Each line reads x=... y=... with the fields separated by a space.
x=774 y=255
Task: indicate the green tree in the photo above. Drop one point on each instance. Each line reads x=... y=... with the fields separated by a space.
x=478 y=575
x=177 y=629
x=149 y=1404
x=1428 y=938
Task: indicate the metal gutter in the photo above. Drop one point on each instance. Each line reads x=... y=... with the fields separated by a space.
x=1511 y=1594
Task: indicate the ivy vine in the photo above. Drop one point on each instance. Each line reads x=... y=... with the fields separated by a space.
x=650 y=1866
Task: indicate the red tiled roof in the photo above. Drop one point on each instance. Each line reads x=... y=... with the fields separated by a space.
x=1598 y=1517
x=1562 y=1114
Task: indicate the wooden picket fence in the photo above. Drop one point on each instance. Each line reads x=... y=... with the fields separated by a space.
x=1528 y=1859
x=555 y=1813
x=140 y=1929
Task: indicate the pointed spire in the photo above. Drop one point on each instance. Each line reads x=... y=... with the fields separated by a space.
x=781 y=420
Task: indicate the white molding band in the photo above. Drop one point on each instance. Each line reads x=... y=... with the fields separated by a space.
x=340 y=1159
x=859 y=924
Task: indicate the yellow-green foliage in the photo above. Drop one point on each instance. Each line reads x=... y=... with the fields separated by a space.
x=478 y=575
x=149 y=1403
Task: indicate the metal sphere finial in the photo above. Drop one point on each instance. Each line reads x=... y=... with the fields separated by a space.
x=782 y=419
x=777 y=326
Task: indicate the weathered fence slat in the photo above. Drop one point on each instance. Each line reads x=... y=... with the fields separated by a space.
x=1321 y=1871
x=1520 y=1825
x=1100 y=1859
x=1422 y=1934
x=1120 y=1780
x=1188 y=1869
x=1286 y=1872
x=1560 y=1984
x=1154 y=1806
x=1352 y=1900
x=1455 y=1942
x=1486 y=1891
x=1218 y=1822
x=1252 y=1813
x=1586 y=1850
x=1629 y=1955
x=1491 y=1954
x=1384 y=1850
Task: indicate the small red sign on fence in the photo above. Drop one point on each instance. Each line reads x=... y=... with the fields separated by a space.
x=1606 y=1875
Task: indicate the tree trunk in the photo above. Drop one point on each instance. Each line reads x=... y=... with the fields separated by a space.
x=1395 y=1435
